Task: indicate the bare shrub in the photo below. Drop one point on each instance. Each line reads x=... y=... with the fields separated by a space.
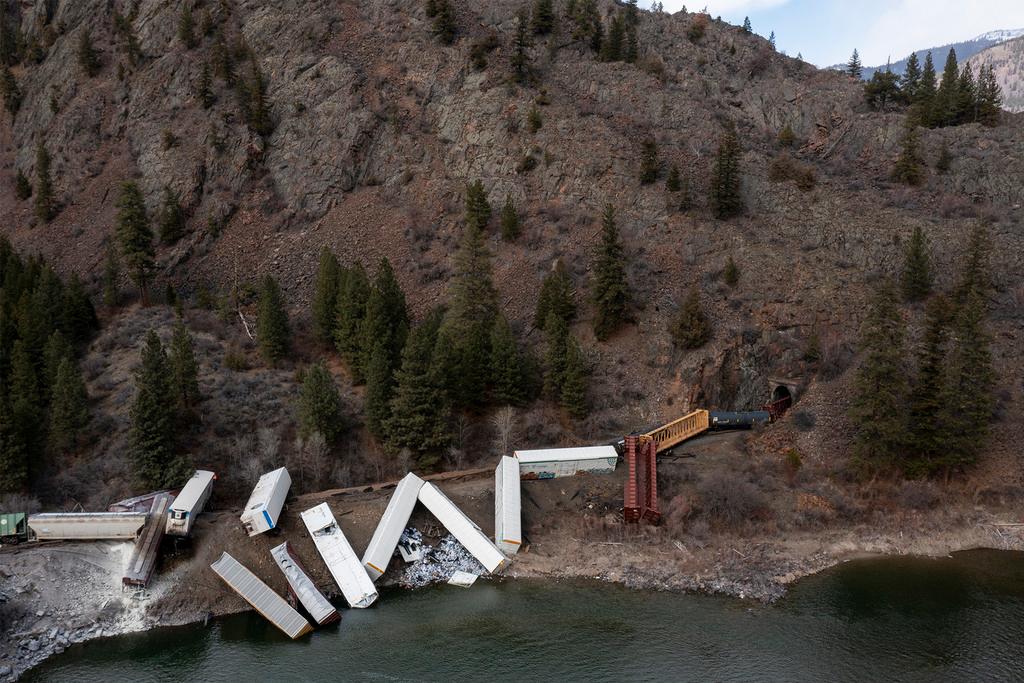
x=730 y=499
x=784 y=167
x=17 y=502
x=759 y=62
x=504 y=421
x=804 y=421
x=310 y=460
x=836 y=355
x=918 y=495
x=677 y=514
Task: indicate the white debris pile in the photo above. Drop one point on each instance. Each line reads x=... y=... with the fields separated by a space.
x=439 y=563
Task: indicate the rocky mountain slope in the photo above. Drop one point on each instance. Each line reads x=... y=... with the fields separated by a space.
x=1007 y=60
x=378 y=127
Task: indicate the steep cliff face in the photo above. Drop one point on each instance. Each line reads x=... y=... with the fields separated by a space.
x=378 y=126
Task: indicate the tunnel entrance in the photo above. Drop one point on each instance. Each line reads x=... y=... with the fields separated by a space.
x=781 y=400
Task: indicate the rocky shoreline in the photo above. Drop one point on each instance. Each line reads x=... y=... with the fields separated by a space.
x=760 y=572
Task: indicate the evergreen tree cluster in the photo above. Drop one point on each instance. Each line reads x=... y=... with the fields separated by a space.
x=725 y=177
x=44 y=324
x=931 y=415
x=616 y=42
x=954 y=98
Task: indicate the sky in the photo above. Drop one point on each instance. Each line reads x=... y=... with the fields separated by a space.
x=825 y=32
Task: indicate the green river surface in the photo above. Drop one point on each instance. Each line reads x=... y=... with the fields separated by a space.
x=888 y=619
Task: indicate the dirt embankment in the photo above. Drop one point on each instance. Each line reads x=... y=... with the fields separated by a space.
x=58 y=594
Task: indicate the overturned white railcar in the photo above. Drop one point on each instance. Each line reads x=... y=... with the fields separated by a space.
x=189 y=503
x=462 y=528
x=392 y=524
x=548 y=463
x=261 y=597
x=508 y=534
x=341 y=560
x=303 y=587
x=263 y=510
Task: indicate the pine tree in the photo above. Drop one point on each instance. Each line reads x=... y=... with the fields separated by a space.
x=910 y=82
x=22 y=187
x=967 y=96
x=731 y=274
x=924 y=100
x=27 y=406
x=10 y=90
x=882 y=89
x=204 y=87
x=854 y=68
x=111 y=275
x=385 y=324
x=380 y=382
x=468 y=323
x=990 y=97
x=556 y=337
x=747 y=28
x=685 y=196
x=725 y=177
x=610 y=290
x=916 y=280
x=928 y=427
x=184 y=371
x=69 y=407
x=975 y=280
x=351 y=310
x=420 y=411
x=557 y=295
x=611 y=48
x=88 y=60
x=648 y=161
x=673 y=183
x=970 y=399
x=509 y=220
x=135 y=237
x=320 y=408
x=478 y=210
x=78 y=315
x=520 y=59
x=253 y=97
x=506 y=366
x=543 y=20
x=909 y=168
x=172 y=218
x=444 y=21
x=690 y=329
x=57 y=350
x=573 y=394
x=273 y=332
x=947 y=98
x=880 y=386
x=325 y=297
x=186 y=28
x=771 y=39
x=152 y=413
x=13 y=459
x=46 y=207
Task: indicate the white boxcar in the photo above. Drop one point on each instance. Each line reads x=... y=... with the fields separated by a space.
x=392 y=524
x=549 y=463
x=264 y=506
x=189 y=503
x=319 y=607
x=462 y=528
x=261 y=597
x=86 y=526
x=508 y=534
x=341 y=560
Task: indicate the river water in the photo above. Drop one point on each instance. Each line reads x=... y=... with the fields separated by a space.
x=906 y=619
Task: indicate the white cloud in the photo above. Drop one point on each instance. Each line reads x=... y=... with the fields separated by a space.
x=908 y=25
x=721 y=7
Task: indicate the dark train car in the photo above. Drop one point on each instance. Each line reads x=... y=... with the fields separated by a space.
x=720 y=419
